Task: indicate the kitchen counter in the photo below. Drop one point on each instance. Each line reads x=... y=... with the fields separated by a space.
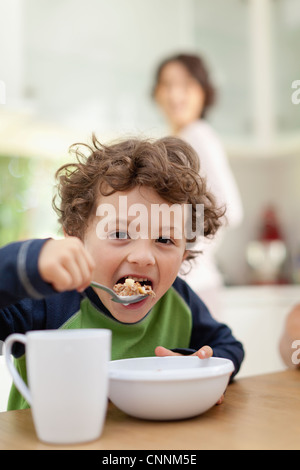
x=260 y=412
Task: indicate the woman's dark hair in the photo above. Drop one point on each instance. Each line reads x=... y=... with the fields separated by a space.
x=197 y=68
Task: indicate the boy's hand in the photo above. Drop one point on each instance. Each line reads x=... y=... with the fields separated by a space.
x=66 y=264
x=203 y=353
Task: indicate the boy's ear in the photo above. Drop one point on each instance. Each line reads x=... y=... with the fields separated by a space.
x=66 y=234
x=185 y=255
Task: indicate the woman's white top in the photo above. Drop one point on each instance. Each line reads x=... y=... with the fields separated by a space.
x=215 y=167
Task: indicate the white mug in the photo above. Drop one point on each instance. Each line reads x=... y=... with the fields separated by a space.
x=67 y=373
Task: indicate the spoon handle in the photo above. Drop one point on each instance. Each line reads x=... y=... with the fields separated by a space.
x=100 y=286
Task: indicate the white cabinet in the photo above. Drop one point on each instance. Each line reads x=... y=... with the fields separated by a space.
x=253 y=47
x=256 y=316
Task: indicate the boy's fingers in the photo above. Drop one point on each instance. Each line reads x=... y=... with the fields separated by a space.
x=86 y=266
x=85 y=269
x=79 y=263
x=63 y=280
x=161 y=352
x=66 y=264
x=220 y=401
x=80 y=273
x=72 y=267
x=89 y=260
x=204 y=353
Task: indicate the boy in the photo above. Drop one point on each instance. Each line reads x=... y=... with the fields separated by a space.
x=44 y=284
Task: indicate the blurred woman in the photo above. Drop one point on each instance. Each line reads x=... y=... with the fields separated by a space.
x=184 y=93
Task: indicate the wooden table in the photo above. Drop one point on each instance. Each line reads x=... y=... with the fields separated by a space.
x=261 y=412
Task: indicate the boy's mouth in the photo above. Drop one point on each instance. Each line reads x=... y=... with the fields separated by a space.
x=144 y=281
x=134 y=285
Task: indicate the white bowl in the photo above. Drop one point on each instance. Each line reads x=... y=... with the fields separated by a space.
x=168 y=388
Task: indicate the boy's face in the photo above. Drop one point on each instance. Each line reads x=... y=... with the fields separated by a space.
x=155 y=254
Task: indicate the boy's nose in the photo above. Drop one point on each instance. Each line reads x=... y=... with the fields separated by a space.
x=141 y=253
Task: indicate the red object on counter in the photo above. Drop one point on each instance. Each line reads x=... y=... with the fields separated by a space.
x=270 y=226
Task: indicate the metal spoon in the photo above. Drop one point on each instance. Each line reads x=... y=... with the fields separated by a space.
x=121 y=299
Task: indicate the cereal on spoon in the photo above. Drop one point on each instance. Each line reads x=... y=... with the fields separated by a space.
x=132 y=287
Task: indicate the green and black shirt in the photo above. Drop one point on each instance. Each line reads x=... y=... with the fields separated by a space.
x=179 y=320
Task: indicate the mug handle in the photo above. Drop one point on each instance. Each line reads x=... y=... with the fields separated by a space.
x=18 y=381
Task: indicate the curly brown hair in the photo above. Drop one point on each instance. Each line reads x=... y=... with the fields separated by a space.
x=196 y=67
x=169 y=165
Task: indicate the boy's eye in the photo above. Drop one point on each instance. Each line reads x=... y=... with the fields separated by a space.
x=118 y=235
x=164 y=240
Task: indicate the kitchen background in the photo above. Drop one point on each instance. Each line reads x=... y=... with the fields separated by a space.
x=71 y=67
